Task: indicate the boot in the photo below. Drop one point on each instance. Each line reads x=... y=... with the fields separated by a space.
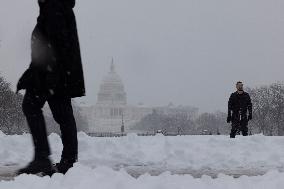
x=64 y=165
x=38 y=166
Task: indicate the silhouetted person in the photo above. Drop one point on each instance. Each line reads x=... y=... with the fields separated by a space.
x=55 y=75
x=239 y=111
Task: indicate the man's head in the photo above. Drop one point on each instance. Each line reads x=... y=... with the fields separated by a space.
x=240 y=86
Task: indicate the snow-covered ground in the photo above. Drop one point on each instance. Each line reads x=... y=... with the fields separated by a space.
x=156 y=162
x=82 y=177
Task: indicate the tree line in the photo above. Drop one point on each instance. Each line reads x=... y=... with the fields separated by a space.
x=268 y=116
x=181 y=121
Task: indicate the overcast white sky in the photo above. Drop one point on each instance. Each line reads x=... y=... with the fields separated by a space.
x=188 y=52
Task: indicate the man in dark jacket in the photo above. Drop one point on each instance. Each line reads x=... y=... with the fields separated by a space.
x=239 y=111
x=55 y=75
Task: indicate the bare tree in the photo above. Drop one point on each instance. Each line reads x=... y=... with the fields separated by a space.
x=268 y=109
x=11 y=116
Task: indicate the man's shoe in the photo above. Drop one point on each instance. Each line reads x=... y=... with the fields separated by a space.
x=38 y=166
x=64 y=165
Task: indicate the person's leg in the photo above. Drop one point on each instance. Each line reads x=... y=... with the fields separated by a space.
x=32 y=108
x=63 y=114
x=234 y=130
x=244 y=128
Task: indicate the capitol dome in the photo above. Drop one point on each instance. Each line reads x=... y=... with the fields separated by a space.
x=111 y=90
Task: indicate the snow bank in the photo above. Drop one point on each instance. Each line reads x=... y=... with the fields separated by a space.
x=82 y=177
x=181 y=152
x=99 y=156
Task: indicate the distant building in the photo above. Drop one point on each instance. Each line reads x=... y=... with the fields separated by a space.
x=111 y=110
x=111 y=107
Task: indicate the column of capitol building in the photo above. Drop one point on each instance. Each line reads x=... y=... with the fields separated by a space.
x=111 y=107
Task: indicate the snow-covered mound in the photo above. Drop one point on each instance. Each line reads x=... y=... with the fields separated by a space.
x=180 y=152
x=104 y=162
x=82 y=177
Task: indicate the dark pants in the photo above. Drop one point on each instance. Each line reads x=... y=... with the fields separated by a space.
x=239 y=126
x=62 y=112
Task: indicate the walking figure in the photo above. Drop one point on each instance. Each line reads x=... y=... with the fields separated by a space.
x=55 y=75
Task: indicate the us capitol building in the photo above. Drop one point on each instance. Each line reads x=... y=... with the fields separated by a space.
x=111 y=110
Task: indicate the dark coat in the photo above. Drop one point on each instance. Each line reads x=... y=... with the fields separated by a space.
x=239 y=105
x=56 y=66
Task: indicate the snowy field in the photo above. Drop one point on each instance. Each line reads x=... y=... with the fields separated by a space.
x=155 y=162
